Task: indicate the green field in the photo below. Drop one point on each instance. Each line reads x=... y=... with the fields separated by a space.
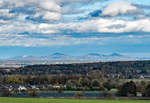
x=46 y=100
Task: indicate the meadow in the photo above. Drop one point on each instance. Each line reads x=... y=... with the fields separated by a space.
x=48 y=100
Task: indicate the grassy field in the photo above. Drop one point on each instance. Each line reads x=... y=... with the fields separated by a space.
x=46 y=100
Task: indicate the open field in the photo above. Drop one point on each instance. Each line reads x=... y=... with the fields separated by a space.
x=46 y=100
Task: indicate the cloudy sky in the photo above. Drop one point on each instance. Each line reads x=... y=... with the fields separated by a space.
x=75 y=27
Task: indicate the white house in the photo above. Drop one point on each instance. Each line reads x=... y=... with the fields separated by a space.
x=34 y=87
x=56 y=86
x=22 y=88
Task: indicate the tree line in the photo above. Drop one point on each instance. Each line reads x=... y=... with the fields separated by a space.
x=126 y=69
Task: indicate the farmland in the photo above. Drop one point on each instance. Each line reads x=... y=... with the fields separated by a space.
x=47 y=100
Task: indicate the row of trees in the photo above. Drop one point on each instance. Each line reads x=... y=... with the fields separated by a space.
x=52 y=79
x=127 y=69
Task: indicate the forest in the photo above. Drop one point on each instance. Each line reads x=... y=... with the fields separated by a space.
x=123 y=69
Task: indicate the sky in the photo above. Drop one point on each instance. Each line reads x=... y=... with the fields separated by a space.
x=74 y=27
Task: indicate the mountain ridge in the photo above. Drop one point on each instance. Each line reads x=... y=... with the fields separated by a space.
x=88 y=57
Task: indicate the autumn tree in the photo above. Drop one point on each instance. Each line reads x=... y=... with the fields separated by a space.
x=128 y=88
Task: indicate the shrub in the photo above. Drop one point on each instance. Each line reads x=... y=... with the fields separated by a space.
x=60 y=90
x=16 y=90
x=33 y=93
x=78 y=95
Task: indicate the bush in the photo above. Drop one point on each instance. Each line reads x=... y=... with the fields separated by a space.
x=60 y=90
x=15 y=91
x=78 y=95
x=33 y=93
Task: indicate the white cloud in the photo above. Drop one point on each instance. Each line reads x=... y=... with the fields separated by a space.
x=48 y=9
x=90 y=26
x=77 y=1
x=5 y=13
x=27 y=41
x=52 y=16
x=109 y=25
x=3 y=21
x=106 y=25
x=18 y=27
x=50 y=5
x=101 y=25
x=1 y=3
x=117 y=8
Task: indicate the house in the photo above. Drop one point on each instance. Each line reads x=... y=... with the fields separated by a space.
x=34 y=87
x=10 y=88
x=56 y=86
x=141 y=77
x=59 y=86
x=147 y=76
x=22 y=88
x=66 y=86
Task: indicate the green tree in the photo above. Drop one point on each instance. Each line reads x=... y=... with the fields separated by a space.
x=107 y=85
x=128 y=88
x=84 y=82
x=147 y=91
x=69 y=85
x=95 y=83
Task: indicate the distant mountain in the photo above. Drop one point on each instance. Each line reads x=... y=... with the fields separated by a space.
x=91 y=57
x=115 y=54
x=59 y=56
x=94 y=54
x=25 y=58
x=55 y=56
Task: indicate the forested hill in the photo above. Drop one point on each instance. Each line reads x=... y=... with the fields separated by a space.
x=126 y=68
